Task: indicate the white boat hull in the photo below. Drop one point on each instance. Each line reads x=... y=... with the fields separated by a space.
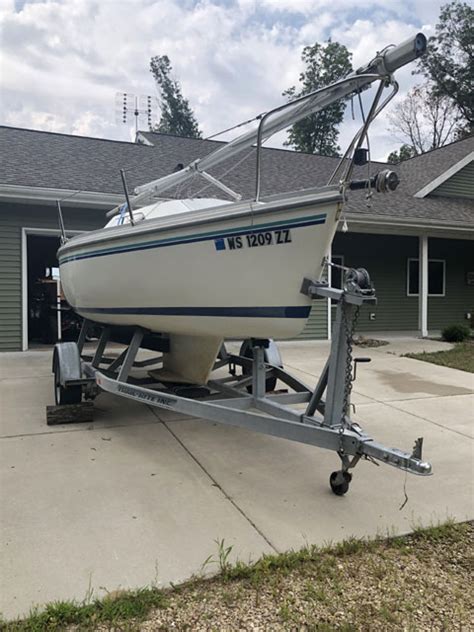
x=231 y=277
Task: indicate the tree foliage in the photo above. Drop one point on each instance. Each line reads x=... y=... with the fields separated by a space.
x=318 y=133
x=405 y=152
x=424 y=120
x=177 y=116
x=449 y=61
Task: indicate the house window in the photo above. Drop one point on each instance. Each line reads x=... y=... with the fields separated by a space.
x=436 y=277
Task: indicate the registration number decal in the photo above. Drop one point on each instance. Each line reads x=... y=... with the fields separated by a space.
x=254 y=240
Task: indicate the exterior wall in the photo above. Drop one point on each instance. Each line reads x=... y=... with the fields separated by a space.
x=12 y=218
x=460 y=185
x=459 y=296
x=385 y=258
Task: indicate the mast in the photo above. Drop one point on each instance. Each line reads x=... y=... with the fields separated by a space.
x=379 y=68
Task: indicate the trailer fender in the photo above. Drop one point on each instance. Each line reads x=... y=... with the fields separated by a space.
x=67 y=359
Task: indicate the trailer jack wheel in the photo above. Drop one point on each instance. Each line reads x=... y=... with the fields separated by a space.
x=339 y=482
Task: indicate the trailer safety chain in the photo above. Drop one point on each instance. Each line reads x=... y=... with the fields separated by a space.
x=349 y=329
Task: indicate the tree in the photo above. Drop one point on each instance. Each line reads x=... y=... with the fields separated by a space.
x=317 y=133
x=449 y=61
x=424 y=120
x=403 y=153
x=176 y=115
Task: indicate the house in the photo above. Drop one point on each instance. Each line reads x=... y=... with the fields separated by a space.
x=416 y=242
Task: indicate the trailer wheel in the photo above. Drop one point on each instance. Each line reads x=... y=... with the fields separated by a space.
x=65 y=394
x=340 y=488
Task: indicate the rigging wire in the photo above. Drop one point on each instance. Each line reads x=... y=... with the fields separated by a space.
x=229 y=129
x=369 y=193
x=68 y=197
x=298 y=109
x=183 y=186
x=227 y=171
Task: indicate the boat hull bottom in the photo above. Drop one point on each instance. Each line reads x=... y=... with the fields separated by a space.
x=213 y=326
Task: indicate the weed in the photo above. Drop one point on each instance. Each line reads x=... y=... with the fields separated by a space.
x=227 y=598
x=118 y=606
x=209 y=560
x=388 y=614
x=223 y=553
x=285 y=613
x=379 y=571
x=351 y=545
x=315 y=592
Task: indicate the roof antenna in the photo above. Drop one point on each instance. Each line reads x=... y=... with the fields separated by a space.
x=127 y=105
x=63 y=238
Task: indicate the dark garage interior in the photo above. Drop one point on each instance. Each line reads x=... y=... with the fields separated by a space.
x=43 y=271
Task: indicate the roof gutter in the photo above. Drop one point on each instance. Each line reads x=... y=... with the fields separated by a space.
x=67 y=197
x=417 y=223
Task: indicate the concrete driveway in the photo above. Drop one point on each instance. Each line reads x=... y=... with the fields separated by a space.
x=141 y=496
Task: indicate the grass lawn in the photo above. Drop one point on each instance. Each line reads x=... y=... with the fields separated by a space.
x=461 y=356
x=415 y=582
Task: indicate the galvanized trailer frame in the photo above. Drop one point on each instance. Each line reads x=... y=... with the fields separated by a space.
x=240 y=399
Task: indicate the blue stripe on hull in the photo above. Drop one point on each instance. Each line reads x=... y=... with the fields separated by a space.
x=175 y=241
x=232 y=312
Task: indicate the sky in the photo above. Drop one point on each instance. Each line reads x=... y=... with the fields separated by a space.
x=63 y=62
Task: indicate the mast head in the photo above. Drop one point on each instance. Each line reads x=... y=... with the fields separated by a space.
x=394 y=57
x=404 y=53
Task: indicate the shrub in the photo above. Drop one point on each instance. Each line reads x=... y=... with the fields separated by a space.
x=456 y=333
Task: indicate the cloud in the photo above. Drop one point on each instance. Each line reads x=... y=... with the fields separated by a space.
x=64 y=60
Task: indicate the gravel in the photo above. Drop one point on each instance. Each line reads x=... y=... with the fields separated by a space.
x=419 y=582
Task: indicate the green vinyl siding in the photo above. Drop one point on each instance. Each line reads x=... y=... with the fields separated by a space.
x=385 y=258
x=460 y=185
x=459 y=296
x=10 y=284
x=13 y=217
x=316 y=327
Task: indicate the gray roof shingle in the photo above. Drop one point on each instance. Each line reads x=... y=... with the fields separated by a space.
x=43 y=159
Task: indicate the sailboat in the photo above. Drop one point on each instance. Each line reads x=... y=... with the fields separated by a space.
x=203 y=269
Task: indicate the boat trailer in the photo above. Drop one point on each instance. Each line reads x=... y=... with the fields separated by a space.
x=246 y=395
